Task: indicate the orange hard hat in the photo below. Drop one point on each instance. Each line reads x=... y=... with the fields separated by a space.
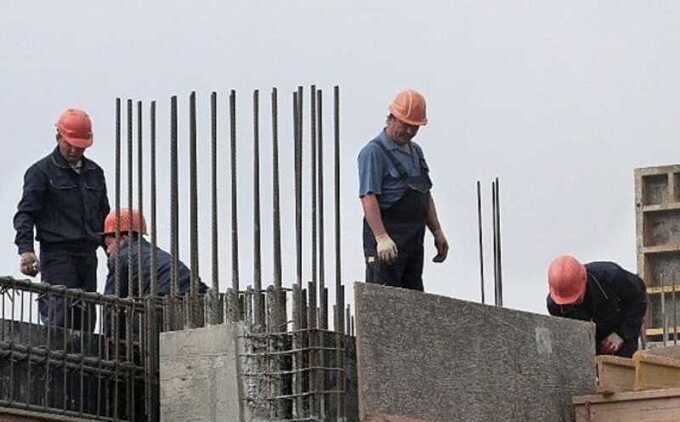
x=567 y=279
x=409 y=107
x=75 y=127
x=130 y=220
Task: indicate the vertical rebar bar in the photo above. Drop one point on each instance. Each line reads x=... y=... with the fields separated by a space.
x=213 y=170
x=481 y=242
x=336 y=128
x=276 y=214
x=234 y=203
x=664 y=321
x=116 y=259
x=313 y=163
x=140 y=197
x=130 y=280
x=299 y=200
x=154 y=239
x=174 y=201
x=193 y=197
x=298 y=206
x=495 y=245
x=339 y=295
x=322 y=231
x=258 y=305
x=675 y=315
x=499 y=243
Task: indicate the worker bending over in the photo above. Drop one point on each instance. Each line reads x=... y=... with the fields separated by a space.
x=394 y=187
x=601 y=292
x=132 y=221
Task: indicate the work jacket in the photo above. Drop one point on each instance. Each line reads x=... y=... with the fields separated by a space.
x=66 y=208
x=129 y=249
x=615 y=300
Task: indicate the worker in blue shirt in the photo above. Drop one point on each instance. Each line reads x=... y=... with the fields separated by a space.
x=394 y=187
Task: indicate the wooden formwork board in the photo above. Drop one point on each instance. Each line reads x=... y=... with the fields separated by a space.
x=656 y=372
x=614 y=374
x=635 y=406
x=657 y=216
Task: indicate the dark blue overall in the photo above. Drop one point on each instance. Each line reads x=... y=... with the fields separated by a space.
x=405 y=223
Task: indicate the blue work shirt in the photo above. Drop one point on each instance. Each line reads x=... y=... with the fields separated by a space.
x=378 y=176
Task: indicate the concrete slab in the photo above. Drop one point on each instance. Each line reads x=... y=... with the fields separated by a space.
x=435 y=358
x=199 y=375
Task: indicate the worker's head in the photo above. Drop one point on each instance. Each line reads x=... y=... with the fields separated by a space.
x=130 y=222
x=567 y=280
x=74 y=134
x=407 y=114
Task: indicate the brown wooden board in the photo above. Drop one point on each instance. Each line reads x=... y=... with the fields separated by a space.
x=636 y=406
x=614 y=374
x=656 y=372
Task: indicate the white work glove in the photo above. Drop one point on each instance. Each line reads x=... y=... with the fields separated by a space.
x=611 y=344
x=386 y=248
x=29 y=264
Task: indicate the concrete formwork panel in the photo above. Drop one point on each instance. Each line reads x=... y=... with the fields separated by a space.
x=440 y=359
x=199 y=375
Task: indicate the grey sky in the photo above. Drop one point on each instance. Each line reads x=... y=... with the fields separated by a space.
x=560 y=99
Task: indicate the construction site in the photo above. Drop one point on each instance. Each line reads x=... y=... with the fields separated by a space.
x=220 y=267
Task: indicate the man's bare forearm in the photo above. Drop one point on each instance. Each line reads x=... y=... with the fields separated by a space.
x=372 y=214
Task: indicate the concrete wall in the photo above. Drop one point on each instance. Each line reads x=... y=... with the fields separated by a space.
x=434 y=358
x=199 y=375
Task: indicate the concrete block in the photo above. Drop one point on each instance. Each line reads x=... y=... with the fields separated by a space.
x=435 y=358
x=199 y=375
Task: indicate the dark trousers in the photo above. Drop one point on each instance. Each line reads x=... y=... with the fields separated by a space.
x=74 y=270
x=406 y=272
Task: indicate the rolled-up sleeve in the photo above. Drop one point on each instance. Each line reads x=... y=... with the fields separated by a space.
x=371 y=169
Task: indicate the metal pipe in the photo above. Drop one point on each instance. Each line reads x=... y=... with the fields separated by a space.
x=174 y=199
x=275 y=192
x=499 y=243
x=322 y=231
x=338 y=261
x=130 y=287
x=234 y=203
x=154 y=240
x=116 y=259
x=140 y=197
x=481 y=242
x=258 y=305
x=213 y=169
x=193 y=197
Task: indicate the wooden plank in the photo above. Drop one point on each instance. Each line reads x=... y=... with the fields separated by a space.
x=656 y=372
x=670 y=206
x=614 y=374
x=665 y=248
x=640 y=406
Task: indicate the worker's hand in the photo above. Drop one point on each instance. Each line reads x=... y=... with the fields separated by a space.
x=442 y=246
x=29 y=264
x=386 y=248
x=611 y=344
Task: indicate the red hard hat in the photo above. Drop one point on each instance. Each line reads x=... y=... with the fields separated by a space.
x=567 y=279
x=75 y=127
x=409 y=107
x=129 y=221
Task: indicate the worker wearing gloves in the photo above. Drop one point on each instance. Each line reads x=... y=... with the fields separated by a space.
x=395 y=196
x=64 y=199
x=601 y=292
x=132 y=223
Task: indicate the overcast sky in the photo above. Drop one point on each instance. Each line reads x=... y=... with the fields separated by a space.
x=561 y=100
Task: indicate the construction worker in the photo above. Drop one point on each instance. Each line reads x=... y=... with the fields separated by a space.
x=601 y=292
x=132 y=221
x=64 y=199
x=394 y=187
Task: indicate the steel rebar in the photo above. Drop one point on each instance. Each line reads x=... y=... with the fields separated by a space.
x=320 y=181
x=313 y=171
x=339 y=295
x=140 y=197
x=495 y=242
x=154 y=239
x=174 y=200
x=130 y=280
x=257 y=253
x=234 y=202
x=116 y=258
x=481 y=242
x=193 y=197
x=499 y=243
x=276 y=214
x=213 y=169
